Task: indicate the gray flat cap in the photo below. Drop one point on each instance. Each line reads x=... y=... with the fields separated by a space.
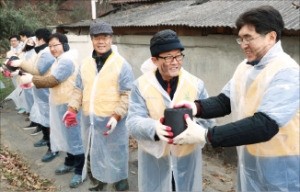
x=100 y=28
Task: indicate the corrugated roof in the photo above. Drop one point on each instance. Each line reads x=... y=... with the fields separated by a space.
x=215 y=13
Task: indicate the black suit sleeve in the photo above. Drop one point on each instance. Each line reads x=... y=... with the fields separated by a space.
x=212 y=107
x=250 y=130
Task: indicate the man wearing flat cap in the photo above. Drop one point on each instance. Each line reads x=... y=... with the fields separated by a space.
x=102 y=89
x=159 y=161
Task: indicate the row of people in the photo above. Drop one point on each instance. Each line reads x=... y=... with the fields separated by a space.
x=95 y=104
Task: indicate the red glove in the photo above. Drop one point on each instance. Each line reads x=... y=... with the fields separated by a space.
x=6 y=73
x=69 y=119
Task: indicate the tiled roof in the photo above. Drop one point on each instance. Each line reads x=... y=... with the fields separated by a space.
x=214 y=13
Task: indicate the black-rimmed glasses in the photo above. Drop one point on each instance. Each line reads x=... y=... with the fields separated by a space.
x=53 y=46
x=169 y=59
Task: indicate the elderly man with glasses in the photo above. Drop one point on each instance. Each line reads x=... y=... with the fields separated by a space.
x=163 y=166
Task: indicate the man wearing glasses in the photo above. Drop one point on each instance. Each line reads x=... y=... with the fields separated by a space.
x=263 y=98
x=159 y=161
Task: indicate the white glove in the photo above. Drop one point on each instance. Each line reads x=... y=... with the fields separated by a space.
x=15 y=73
x=25 y=78
x=163 y=132
x=187 y=104
x=1 y=69
x=16 y=63
x=194 y=133
x=111 y=125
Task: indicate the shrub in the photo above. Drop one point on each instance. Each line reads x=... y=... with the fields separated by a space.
x=30 y=16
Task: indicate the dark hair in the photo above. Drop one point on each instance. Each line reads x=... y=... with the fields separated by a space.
x=14 y=36
x=63 y=39
x=26 y=33
x=43 y=33
x=264 y=18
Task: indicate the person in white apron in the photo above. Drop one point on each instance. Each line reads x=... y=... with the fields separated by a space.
x=102 y=89
x=160 y=162
x=263 y=98
x=39 y=113
x=17 y=95
x=61 y=81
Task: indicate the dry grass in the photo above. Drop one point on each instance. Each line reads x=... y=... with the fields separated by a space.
x=16 y=174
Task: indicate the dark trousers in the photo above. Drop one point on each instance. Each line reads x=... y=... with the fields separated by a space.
x=75 y=160
x=173 y=183
x=46 y=135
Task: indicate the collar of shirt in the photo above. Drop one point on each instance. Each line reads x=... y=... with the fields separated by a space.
x=100 y=60
x=172 y=83
x=41 y=47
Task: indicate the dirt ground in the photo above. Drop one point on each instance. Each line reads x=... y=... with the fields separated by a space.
x=219 y=170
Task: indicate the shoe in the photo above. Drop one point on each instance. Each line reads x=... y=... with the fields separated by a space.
x=21 y=111
x=49 y=156
x=41 y=143
x=63 y=169
x=76 y=181
x=121 y=185
x=37 y=130
x=31 y=126
x=99 y=187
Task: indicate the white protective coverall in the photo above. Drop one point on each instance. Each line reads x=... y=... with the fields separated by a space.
x=23 y=97
x=271 y=87
x=64 y=70
x=100 y=96
x=157 y=159
x=27 y=93
x=40 y=110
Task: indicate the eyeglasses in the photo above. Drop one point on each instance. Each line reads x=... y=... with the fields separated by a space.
x=246 y=40
x=169 y=59
x=53 y=46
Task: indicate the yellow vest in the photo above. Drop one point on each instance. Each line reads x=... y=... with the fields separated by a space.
x=62 y=93
x=187 y=89
x=286 y=141
x=103 y=85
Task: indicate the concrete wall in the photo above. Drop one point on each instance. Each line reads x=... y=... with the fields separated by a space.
x=212 y=58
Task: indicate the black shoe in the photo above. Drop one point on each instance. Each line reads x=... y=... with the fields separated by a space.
x=37 y=130
x=41 y=143
x=98 y=187
x=49 y=156
x=121 y=185
x=31 y=126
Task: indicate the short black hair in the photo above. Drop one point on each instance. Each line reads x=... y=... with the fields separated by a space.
x=264 y=18
x=43 y=33
x=26 y=33
x=14 y=36
x=61 y=37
